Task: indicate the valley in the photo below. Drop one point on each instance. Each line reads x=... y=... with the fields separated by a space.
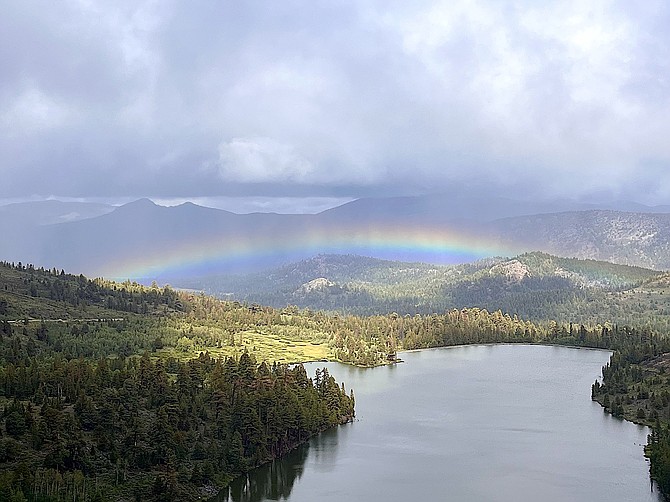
x=190 y=346
x=214 y=358
x=334 y=251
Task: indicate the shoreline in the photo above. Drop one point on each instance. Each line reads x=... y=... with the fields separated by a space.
x=211 y=498
x=490 y=344
x=550 y=354
x=483 y=344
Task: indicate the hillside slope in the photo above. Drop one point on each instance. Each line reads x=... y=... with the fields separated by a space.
x=532 y=285
x=641 y=239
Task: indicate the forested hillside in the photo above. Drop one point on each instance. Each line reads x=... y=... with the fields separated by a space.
x=27 y=292
x=133 y=428
x=96 y=407
x=534 y=286
x=113 y=391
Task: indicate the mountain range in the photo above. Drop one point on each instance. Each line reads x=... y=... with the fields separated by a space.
x=144 y=241
x=535 y=286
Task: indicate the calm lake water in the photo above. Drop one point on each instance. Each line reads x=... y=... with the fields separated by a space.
x=477 y=423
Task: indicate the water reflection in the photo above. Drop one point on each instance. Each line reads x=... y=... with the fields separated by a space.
x=273 y=481
x=492 y=423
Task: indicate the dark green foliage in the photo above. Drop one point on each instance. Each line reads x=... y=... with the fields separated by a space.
x=635 y=387
x=84 y=418
x=658 y=451
x=18 y=418
x=78 y=403
x=535 y=286
x=211 y=420
x=29 y=292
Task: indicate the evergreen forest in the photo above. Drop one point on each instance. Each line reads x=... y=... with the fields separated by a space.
x=119 y=391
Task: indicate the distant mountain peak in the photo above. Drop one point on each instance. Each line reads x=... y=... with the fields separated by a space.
x=143 y=202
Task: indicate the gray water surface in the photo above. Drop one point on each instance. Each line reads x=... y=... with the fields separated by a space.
x=476 y=423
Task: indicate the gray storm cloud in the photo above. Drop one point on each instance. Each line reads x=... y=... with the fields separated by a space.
x=169 y=99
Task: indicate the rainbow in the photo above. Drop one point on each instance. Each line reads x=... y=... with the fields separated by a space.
x=213 y=254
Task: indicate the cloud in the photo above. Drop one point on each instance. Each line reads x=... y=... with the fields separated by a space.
x=334 y=99
x=261 y=160
x=32 y=111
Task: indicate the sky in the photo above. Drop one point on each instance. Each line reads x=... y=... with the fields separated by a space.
x=304 y=104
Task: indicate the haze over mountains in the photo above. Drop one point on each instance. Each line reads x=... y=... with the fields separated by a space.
x=142 y=240
x=533 y=286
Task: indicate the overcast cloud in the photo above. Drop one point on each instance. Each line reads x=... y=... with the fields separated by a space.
x=318 y=98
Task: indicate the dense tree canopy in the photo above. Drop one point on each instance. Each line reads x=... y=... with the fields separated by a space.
x=121 y=391
x=109 y=428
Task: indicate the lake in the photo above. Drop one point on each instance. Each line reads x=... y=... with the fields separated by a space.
x=474 y=423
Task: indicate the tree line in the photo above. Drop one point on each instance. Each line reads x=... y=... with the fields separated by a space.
x=143 y=429
x=62 y=380
x=636 y=386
